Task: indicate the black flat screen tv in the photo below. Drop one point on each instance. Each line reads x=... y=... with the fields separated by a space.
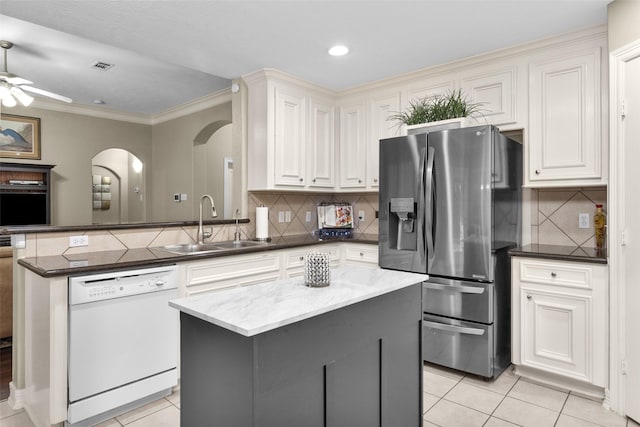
x=23 y=209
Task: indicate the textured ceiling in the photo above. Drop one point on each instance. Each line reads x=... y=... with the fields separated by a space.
x=167 y=52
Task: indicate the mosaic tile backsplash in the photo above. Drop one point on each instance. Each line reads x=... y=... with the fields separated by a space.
x=554 y=216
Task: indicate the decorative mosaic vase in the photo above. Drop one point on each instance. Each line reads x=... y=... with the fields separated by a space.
x=316 y=269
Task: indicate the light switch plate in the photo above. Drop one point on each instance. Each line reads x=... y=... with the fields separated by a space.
x=361 y=215
x=583 y=220
x=307 y=216
x=281 y=216
x=287 y=216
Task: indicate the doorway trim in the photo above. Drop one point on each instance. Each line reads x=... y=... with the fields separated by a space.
x=617 y=280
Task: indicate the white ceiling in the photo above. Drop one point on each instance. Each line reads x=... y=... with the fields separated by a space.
x=169 y=52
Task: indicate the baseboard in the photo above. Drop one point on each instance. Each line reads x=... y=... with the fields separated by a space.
x=579 y=388
x=16 y=397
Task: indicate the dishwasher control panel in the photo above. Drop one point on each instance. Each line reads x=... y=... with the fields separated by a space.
x=98 y=287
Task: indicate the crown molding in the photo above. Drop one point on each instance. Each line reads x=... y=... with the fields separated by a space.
x=212 y=100
x=87 y=110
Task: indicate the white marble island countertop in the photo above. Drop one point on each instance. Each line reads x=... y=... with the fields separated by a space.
x=255 y=309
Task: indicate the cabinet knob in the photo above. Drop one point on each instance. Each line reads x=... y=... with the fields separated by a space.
x=529 y=297
x=313 y=180
x=537 y=171
x=553 y=274
x=359 y=181
x=361 y=254
x=301 y=258
x=375 y=179
x=301 y=179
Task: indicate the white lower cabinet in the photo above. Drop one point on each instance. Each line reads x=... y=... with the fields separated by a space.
x=214 y=274
x=294 y=258
x=559 y=319
x=226 y=272
x=358 y=254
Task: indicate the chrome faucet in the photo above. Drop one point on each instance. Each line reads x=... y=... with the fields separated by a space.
x=201 y=235
x=236 y=235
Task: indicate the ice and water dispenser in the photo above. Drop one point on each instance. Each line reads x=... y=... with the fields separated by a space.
x=402 y=227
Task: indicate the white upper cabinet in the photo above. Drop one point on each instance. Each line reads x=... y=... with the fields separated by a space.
x=290 y=138
x=380 y=127
x=353 y=146
x=321 y=144
x=496 y=92
x=566 y=141
x=291 y=134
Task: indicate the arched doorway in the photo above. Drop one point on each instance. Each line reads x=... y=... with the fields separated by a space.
x=118 y=190
x=213 y=166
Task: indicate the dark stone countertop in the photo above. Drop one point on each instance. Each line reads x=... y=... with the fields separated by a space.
x=29 y=229
x=561 y=253
x=93 y=262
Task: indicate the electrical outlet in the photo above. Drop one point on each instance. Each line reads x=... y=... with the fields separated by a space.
x=75 y=241
x=583 y=220
x=281 y=216
x=287 y=216
x=307 y=216
x=176 y=197
x=361 y=215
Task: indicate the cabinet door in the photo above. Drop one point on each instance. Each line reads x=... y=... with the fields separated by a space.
x=352 y=146
x=361 y=254
x=321 y=143
x=379 y=128
x=565 y=139
x=496 y=92
x=290 y=138
x=555 y=332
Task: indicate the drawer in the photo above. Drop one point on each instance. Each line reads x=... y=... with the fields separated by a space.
x=362 y=253
x=295 y=258
x=225 y=269
x=556 y=273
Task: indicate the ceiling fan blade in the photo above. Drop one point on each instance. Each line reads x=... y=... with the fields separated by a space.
x=45 y=93
x=13 y=79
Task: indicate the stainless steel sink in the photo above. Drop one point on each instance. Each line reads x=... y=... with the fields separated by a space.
x=241 y=244
x=191 y=248
x=195 y=248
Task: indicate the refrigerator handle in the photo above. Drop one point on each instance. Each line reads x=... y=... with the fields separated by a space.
x=421 y=206
x=453 y=328
x=428 y=197
x=454 y=288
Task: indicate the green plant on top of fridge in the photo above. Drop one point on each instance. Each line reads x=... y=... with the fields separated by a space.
x=450 y=105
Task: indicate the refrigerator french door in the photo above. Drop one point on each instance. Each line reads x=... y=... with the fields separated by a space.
x=449 y=207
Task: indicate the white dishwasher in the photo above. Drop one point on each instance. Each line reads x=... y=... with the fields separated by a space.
x=123 y=341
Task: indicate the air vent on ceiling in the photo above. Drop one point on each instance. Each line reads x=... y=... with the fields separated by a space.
x=102 y=66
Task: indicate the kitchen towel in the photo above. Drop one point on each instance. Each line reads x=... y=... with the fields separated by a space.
x=262 y=222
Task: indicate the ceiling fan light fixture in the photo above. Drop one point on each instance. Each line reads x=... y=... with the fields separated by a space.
x=24 y=99
x=5 y=95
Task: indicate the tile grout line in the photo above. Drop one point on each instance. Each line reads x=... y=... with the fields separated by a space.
x=562 y=409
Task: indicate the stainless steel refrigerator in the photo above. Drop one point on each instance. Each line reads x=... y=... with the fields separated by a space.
x=450 y=207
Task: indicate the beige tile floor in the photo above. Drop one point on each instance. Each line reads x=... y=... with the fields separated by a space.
x=450 y=399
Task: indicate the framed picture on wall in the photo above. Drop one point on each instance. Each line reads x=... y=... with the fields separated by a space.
x=19 y=137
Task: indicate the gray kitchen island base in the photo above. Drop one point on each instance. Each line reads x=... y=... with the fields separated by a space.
x=358 y=365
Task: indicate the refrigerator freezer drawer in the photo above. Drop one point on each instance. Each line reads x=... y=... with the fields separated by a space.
x=466 y=346
x=459 y=299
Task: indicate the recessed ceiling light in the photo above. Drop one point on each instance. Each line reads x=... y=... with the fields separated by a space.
x=338 y=50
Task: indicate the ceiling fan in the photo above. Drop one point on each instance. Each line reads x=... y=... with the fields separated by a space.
x=12 y=87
